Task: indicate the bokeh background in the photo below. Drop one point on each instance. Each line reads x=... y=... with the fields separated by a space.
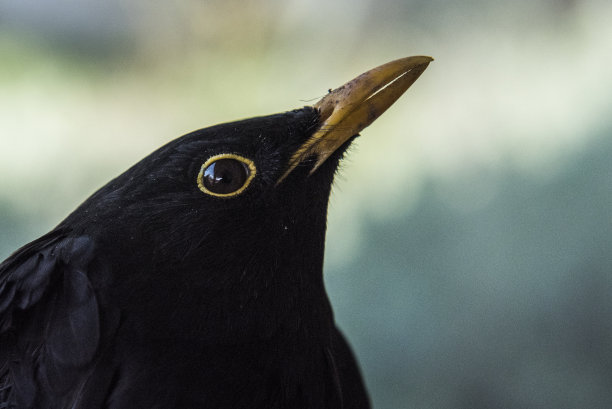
x=469 y=255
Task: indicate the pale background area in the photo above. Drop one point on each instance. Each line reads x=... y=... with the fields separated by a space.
x=470 y=231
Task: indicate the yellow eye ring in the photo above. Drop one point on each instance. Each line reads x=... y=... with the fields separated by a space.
x=226 y=175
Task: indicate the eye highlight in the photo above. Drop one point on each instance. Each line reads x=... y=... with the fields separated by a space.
x=226 y=175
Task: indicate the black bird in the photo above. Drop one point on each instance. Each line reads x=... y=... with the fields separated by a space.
x=194 y=279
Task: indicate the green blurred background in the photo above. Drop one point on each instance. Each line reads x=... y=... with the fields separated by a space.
x=469 y=248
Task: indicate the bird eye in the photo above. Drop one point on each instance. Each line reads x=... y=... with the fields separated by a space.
x=226 y=175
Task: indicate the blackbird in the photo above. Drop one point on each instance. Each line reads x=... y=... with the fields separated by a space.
x=195 y=278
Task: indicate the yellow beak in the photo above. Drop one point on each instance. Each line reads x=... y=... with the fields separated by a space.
x=349 y=109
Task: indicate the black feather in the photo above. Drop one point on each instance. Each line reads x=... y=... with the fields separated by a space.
x=153 y=294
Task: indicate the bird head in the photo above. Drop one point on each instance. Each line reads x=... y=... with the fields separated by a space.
x=238 y=210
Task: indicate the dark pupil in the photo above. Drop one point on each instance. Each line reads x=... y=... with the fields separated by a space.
x=225 y=176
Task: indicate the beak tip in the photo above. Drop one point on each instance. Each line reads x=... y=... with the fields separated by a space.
x=419 y=60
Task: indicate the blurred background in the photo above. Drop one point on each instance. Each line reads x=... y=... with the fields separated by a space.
x=469 y=255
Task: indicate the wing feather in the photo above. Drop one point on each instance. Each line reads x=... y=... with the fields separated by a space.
x=49 y=322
